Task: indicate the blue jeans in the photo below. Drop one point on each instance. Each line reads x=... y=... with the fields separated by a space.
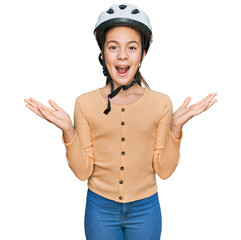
x=106 y=219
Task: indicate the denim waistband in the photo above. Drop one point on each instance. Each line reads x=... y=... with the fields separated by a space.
x=100 y=200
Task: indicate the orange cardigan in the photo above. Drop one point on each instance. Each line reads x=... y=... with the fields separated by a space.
x=120 y=153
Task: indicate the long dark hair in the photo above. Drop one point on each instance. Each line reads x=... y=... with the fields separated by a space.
x=140 y=78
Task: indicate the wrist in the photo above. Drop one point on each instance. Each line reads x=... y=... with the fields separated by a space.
x=69 y=129
x=176 y=124
x=68 y=135
x=176 y=131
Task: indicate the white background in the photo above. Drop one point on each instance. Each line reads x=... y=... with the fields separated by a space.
x=48 y=51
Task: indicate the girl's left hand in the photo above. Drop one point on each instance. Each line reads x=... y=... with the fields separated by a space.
x=184 y=113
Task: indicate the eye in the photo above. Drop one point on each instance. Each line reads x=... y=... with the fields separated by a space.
x=112 y=47
x=132 y=48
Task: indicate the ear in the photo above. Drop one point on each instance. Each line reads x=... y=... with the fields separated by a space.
x=144 y=54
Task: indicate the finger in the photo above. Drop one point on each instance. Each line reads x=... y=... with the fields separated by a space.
x=31 y=103
x=211 y=103
x=208 y=98
x=205 y=106
x=186 y=102
x=203 y=101
x=202 y=105
x=37 y=112
x=54 y=105
x=37 y=103
x=45 y=113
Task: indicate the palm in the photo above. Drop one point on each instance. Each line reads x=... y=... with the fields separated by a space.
x=184 y=113
x=58 y=117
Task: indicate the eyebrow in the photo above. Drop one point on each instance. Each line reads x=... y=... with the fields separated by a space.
x=118 y=42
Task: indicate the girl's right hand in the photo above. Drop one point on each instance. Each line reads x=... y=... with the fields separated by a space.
x=59 y=118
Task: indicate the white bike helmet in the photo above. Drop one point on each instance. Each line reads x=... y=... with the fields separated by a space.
x=122 y=15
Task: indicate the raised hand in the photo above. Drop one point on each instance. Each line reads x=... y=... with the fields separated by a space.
x=58 y=117
x=184 y=113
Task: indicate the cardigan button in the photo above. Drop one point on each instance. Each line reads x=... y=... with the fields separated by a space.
x=120 y=181
x=120 y=197
x=123 y=153
x=122 y=139
x=123 y=109
x=122 y=123
x=122 y=168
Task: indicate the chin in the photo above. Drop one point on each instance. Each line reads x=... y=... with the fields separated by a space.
x=124 y=80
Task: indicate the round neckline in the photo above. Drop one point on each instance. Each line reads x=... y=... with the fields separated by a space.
x=123 y=105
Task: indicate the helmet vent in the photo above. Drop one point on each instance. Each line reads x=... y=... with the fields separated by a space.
x=110 y=11
x=135 y=11
x=122 y=7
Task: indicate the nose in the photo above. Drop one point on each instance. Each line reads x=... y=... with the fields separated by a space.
x=122 y=54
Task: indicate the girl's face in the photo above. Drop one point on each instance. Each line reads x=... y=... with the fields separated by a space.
x=122 y=54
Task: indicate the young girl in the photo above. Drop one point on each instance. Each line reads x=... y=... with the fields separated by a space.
x=120 y=139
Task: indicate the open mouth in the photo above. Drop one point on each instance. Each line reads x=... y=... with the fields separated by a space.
x=122 y=69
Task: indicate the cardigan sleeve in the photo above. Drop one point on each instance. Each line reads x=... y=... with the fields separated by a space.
x=167 y=148
x=79 y=151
